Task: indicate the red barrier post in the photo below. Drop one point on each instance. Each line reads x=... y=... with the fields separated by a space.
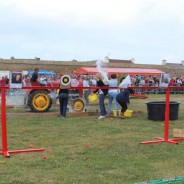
x=166 y=125
x=3 y=123
x=5 y=150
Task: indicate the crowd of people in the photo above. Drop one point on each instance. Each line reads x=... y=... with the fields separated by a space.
x=136 y=80
x=107 y=87
x=114 y=95
x=43 y=80
x=4 y=80
x=90 y=80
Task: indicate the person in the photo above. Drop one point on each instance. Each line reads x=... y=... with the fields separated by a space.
x=16 y=78
x=77 y=82
x=43 y=80
x=63 y=101
x=3 y=82
x=112 y=93
x=34 y=77
x=102 y=94
x=6 y=80
x=86 y=91
x=27 y=80
x=92 y=81
x=123 y=99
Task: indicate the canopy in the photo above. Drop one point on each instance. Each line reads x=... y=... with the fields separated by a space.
x=42 y=72
x=118 y=71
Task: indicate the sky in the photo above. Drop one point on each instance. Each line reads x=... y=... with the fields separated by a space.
x=146 y=30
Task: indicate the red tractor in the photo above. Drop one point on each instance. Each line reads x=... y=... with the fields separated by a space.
x=41 y=100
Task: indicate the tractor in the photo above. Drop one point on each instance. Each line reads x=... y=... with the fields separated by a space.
x=41 y=100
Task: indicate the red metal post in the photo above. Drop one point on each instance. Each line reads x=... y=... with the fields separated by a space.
x=5 y=150
x=166 y=124
x=3 y=122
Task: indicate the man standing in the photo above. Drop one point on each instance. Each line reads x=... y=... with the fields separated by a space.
x=86 y=91
x=34 y=77
x=6 y=79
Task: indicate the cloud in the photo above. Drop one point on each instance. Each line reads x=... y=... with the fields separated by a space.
x=88 y=29
x=78 y=12
x=94 y=13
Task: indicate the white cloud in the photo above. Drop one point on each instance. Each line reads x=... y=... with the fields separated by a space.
x=105 y=12
x=78 y=11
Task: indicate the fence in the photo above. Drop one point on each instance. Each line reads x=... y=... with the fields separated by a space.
x=6 y=152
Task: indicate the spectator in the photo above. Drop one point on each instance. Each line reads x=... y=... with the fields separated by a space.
x=171 y=82
x=3 y=82
x=102 y=94
x=43 y=80
x=112 y=93
x=6 y=80
x=27 y=80
x=86 y=91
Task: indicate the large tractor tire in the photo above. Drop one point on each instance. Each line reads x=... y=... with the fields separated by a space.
x=40 y=101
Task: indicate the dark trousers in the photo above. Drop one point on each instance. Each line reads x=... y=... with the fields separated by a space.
x=63 y=100
x=122 y=103
x=102 y=105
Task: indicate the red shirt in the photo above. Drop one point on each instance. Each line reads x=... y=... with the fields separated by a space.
x=171 y=83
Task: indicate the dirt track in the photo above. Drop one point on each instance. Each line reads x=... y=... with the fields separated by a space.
x=55 y=114
x=48 y=114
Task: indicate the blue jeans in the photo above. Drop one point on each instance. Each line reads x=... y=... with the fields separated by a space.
x=111 y=97
x=63 y=100
x=102 y=105
x=86 y=94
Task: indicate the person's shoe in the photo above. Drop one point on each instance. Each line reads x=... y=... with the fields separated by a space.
x=101 y=117
x=107 y=115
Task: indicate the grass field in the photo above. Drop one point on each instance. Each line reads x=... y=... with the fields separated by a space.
x=85 y=150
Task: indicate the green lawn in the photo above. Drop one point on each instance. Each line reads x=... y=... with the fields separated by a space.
x=114 y=155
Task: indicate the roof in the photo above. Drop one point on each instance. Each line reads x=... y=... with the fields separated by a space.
x=117 y=71
x=120 y=61
x=42 y=72
x=174 y=64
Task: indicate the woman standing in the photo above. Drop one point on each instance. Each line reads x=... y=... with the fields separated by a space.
x=102 y=94
x=112 y=93
x=63 y=100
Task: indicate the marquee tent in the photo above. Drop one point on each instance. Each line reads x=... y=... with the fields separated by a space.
x=42 y=72
x=118 y=71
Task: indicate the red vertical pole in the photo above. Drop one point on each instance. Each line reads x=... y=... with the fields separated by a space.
x=5 y=151
x=166 y=123
x=3 y=122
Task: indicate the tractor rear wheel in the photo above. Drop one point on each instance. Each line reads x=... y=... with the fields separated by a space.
x=40 y=101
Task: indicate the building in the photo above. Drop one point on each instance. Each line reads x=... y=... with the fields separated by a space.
x=118 y=61
x=164 y=62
